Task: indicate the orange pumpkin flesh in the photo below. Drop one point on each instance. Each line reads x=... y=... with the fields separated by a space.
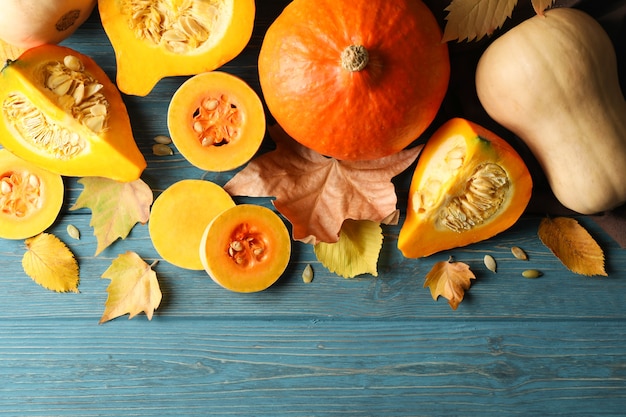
x=67 y=118
x=246 y=248
x=157 y=38
x=469 y=185
x=179 y=216
x=354 y=79
x=216 y=121
x=30 y=197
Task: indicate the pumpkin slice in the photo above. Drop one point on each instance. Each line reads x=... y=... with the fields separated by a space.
x=30 y=197
x=469 y=185
x=216 y=120
x=153 y=39
x=246 y=248
x=61 y=112
x=179 y=216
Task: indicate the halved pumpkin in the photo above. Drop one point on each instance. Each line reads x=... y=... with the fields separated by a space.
x=61 y=112
x=216 y=120
x=469 y=185
x=153 y=39
x=179 y=216
x=30 y=197
x=246 y=248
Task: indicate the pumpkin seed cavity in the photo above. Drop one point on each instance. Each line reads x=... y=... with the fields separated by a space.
x=180 y=26
x=247 y=246
x=20 y=193
x=77 y=93
x=217 y=121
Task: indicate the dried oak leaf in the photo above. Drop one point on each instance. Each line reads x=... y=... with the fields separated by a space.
x=540 y=6
x=473 y=19
x=316 y=193
x=115 y=207
x=50 y=263
x=449 y=279
x=572 y=244
x=134 y=288
x=356 y=252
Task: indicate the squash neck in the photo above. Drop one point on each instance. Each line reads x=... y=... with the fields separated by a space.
x=354 y=58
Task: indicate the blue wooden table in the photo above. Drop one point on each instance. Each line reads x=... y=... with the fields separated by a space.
x=368 y=346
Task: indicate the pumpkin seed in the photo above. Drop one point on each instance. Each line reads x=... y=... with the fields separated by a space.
x=532 y=273
x=73 y=231
x=307 y=274
x=162 y=139
x=519 y=253
x=160 y=149
x=490 y=263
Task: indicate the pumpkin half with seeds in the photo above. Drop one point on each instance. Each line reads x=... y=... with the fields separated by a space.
x=61 y=112
x=469 y=185
x=153 y=39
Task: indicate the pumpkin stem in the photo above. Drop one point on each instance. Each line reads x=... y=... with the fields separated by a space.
x=354 y=58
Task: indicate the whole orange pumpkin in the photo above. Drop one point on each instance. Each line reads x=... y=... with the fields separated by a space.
x=354 y=79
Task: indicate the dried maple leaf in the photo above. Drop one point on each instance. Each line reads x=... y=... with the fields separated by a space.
x=356 y=252
x=134 y=288
x=315 y=193
x=473 y=19
x=541 y=5
x=450 y=280
x=572 y=245
x=50 y=263
x=115 y=207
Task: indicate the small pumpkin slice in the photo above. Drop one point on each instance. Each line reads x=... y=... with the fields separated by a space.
x=216 y=120
x=179 y=216
x=246 y=248
x=30 y=197
x=469 y=185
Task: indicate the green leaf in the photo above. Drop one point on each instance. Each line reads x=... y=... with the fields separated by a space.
x=356 y=252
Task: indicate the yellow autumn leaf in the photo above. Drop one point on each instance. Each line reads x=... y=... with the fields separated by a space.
x=450 y=280
x=473 y=19
x=50 y=263
x=134 y=288
x=572 y=244
x=356 y=252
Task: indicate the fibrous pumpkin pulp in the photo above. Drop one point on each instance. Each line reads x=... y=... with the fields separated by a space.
x=61 y=112
x=354 y=79
x=469 y=185
x=30 y=197
x=153 y=39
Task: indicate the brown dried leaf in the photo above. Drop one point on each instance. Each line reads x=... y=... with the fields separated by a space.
x=50 y=263
x=540 y=6
x=573 y=245
x=449 y=279
x=473 y=19
x=134 y=288
x=315 y=193
x=115 y=207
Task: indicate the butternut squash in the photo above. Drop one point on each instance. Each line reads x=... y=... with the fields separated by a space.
x=553 y=81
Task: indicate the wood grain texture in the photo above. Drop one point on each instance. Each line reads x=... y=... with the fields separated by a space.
x=368 y=346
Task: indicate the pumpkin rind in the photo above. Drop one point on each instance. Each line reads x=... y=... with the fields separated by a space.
x=144 y=59
x=58 y=130
x=553 y=81
x=217 y=121
x=30 y=197
x=30 y=23
x=361 y=114
x=469 y=185
x=179 y=216
x=246 y=248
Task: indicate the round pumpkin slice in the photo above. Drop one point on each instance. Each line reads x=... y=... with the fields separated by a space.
x=246 y=248
x=217 y=121
x=179 y=216
x=30 y=197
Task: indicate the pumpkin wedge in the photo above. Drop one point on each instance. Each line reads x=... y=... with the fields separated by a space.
x=469 y=185
x=153 y=39
x=61 y=112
